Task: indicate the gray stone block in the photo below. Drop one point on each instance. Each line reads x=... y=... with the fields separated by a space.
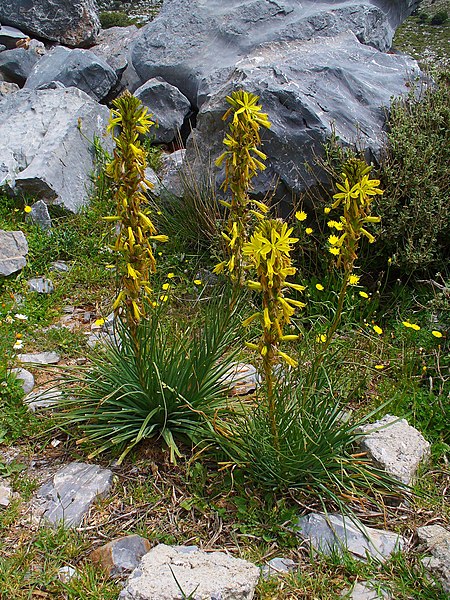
x=13 y=249
x=366 y=591
x=121 y=555
x=39 y=215
x=26 y=378
x=435 y=540
x=40 y=358
x=40 y=285
x=17 y=64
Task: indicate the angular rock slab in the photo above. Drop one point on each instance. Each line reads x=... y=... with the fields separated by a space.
x=6 y=494
x=17 y=64
x=435 y=540
x=242 y=379
x=396 y=447
x=212 y=575
x=74 y=68
x=366 y=591
x=25 y=377
x=43 y=152
x=121 y=555
x=67 y=497
x=42 y=399
x=40 y=358
x=113 y=46
x=13 y=249
x=167 y=105
x=40 y=285
x=40 y=216
x=69 y=22
x=278 y=566
x=335 y=533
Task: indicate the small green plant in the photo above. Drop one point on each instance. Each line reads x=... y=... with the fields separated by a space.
x=115 y=18
x=439 y=18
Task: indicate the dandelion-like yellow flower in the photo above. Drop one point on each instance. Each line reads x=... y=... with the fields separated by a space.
x=437 y=334
x=197 y=281
x=27 y=209
x=165 y=286
x=379 y=367
x=327 y=210
x=354 y=279
x=333 y=240
x=334 y=251
x=308 y=231
x=319 y=287
x=301 y=215
x=170 y=275
x=377 y=329
x=364 y=295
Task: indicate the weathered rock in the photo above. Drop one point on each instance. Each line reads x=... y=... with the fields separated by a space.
x=366 y=591
x=172 y=181
x=42 y=399
x=69 y=22
x=60 y=266
x=435 y=540
x=25 y=377
x=113 y=46
x=39 y=215
x=67 y=497
x=121 y=555
x=334 y=533
x=153 y=178
x=13 y=249
x=8 y=88
x=41 y=285
x=168 y=106
x=5 y=494
x=40 y=358
x=242 y=379
x=9 y=36
x=208 y=576
x=65 y=574
x=43 y=152
x=395 y=447
x=17 y=64
x=74 y=68
x=278 y=566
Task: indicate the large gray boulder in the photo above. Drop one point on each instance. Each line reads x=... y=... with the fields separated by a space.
x=13 y=249
x=46 y=147
x=74 y=68
x=69 y=22
x=113 y=46
x=316 y=64
x=17 y=64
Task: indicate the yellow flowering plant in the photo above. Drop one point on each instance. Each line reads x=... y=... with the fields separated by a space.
x=135 y=231
x=243 y=159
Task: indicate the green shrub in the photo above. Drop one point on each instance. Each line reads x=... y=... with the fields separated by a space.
x=440 y=18
x=415 y=207
x=115 y=19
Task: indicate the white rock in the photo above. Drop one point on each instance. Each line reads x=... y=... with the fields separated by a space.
x=435 y=540
x=42 y=399
x=5 y=494
x=13 y=248
x=207 y=576
x=25 y=377
x=366 y=591
x=40 y=358
x=396 y=447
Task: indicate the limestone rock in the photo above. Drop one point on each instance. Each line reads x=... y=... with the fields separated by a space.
x=278 y=566
x=13 y=249
x=168 y=106
x=43 y=152
x=395 y=447
x=67 y=497
x=9 y=36
x=8 y=88
x=113 y=46
x=366 y=591
x=333 y=532
x=40 y=285
x=5 y=494
x=26 y=378
x=121 y=555
x=39 y=215
x=172 y=173
x=42 y=399
x=74 y=68
x=242 y=379
x=69 y=22
x=435 y=540
x=40 y=358
x=208 y=576
x=17 y=64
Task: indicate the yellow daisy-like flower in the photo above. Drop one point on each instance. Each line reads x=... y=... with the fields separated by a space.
x=166 y=286
x=377 y=329
x=164 y=298
x=319 y=287
x=334 y=251
x=197 y=282
x=100 y=322
x=322 y=338
x=327 y=210
x=437 y=334
x=354 y=279
x=27 y=209
x=300 y=215
x=379 y=367
x=308 y=231
x=364 y=295
x=170 y=275
x=333 y=240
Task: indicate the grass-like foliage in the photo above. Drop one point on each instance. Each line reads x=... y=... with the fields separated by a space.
x=166 y=390
x=313 y=450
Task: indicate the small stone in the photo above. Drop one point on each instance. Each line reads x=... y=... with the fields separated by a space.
x=87 y=317
x=40 y=285
x=172 y=181
x=40 y=358
x=396 y=447
x=242 y=378
x=278 y=566
x=42 y=399
x=209 y=576
x=8 y=88
x=25 y=377
x=5 y=494
x=67 y=497
x=121 y=555
x=435 y=540
x=13 y=249
x=334 y=533
x=65 y=574
x=61 y=267
x=68 y=310
x=9 y=36
x=40 y=216
x=366 y=591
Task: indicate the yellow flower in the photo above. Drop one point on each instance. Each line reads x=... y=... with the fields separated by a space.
x=319 y=287
x=335 y=225
x=308 y=231
x=334 y=251
x=353 y=279
x=166 y=286
x=290 y=361
x=301 y=215
x=364 y=294
x=436 y=334
x=327 y=210
x=27 y=209
x=322 y=338
x=333 y=240
x=415 y=327
x=197 y=282
x=100 y=322
x=164 y=298
x=170 y=275
x=379 y=367
x=267 y=321
x=377 y=329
